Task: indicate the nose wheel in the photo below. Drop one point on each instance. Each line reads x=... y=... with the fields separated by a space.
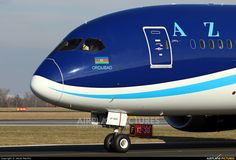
x=108 y=142
x=116 y=142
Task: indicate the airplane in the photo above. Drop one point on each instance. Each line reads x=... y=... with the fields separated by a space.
x=176 y=61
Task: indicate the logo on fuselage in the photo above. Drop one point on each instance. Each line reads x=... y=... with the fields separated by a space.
x=101 y=64
x=179 y=31
x=101 y=60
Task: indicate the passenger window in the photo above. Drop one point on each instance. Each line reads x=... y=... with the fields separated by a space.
x=229 y=44
x=92 y=45
x=193 y=44
x=220 y=44
x=211 y=44
x=202 y=44
x=69 y=45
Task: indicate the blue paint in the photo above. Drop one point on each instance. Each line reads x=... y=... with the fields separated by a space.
x=199 y=87
x=126 y=47
x=49 y=70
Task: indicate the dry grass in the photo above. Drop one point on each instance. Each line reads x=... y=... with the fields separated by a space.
x=37 y=109
x=46 y=113
x=86 y=135
x=51 y=135
x=41 y=113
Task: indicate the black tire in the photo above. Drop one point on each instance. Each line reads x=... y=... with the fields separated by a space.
x=108 y=142
x=121 y=143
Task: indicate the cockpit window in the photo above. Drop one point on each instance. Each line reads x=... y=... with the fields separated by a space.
x=92 y=45
x=69 y=45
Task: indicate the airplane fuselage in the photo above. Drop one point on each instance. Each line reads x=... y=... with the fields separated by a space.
x=162 y=60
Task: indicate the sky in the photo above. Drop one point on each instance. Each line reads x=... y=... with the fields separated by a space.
x=31 y=29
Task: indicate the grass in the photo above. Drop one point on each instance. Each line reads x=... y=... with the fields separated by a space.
x=41 y=113
x=37 y=109
x=50 y=135
x=87 y=135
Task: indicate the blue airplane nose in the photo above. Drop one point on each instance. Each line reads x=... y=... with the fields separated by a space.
x=46 y=80
x=50 y=69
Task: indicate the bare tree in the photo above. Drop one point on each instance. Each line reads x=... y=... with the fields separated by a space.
x=28 y=100
x=4 y=93
x=17 y=101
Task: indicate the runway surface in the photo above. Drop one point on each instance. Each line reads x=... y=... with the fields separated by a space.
x=61 y=122
x=172 y=149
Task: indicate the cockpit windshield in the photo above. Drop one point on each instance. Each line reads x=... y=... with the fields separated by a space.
x=69 y=45
x=92 y=45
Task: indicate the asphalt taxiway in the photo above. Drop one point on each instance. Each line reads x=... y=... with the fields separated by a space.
x=213 y=149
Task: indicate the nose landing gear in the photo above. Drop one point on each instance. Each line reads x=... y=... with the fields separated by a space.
x=116 y=142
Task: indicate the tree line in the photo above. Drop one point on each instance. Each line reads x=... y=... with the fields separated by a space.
x=27 y=100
